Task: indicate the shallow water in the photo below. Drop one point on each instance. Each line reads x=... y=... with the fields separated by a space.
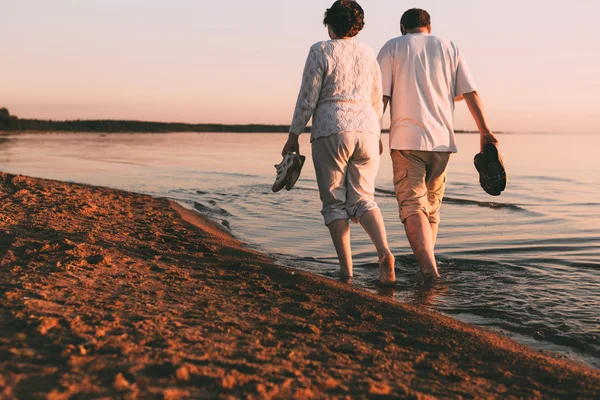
x=526 y=263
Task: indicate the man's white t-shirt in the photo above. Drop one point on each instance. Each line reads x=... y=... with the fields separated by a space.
x=423 y=74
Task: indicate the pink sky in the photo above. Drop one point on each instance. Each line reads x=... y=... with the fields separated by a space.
x=240 y=62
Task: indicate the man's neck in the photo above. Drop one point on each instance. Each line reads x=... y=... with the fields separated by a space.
x=422 y=29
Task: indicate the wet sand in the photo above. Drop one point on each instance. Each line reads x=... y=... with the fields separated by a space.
x=106 y=293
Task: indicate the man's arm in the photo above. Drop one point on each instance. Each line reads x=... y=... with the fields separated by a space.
x=377 y=92
x=476 y=108
x=386 y=100
x=386 y=64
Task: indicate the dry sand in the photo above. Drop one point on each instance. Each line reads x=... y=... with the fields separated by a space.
x=112 y=294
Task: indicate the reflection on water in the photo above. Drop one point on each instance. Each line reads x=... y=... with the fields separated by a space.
x=525 y=263
x=423 y=292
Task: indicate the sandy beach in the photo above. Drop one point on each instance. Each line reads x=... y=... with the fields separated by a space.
x=106 y=293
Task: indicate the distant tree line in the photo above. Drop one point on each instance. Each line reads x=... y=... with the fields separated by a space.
x=13 y=123
x=7 y=121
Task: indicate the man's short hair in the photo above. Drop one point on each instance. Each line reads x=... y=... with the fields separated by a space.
x=345 y=17
x=415 y=18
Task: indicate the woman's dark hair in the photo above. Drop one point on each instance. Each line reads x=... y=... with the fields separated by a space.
x=415 y=18
x=345 y=17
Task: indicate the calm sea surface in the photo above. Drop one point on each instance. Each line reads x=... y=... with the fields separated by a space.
x=526 y=263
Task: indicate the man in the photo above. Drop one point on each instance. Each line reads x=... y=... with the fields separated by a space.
x=422 y=76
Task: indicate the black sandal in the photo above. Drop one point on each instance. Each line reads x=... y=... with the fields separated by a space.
x=492 y=174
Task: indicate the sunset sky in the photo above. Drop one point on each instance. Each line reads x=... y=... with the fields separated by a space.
x=536 y=62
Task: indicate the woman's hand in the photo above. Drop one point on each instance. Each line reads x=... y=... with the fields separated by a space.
x=291 y=145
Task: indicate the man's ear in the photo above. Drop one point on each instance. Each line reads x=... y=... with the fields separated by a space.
x=402 y=29
x=429 y=28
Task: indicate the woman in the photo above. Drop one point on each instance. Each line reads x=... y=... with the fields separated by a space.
x=341 y=90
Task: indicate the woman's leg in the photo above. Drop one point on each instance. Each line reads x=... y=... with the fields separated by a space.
x=372 y=223
x=330 y=158
x=362 y=170
x=340 y=234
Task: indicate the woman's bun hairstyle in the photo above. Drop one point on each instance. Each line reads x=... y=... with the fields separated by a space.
x=345 y=17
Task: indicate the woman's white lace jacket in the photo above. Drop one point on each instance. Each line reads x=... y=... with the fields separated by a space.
x=341 y=90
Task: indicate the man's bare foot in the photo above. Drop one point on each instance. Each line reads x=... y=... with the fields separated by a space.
x=387 y=273
x=433 y=272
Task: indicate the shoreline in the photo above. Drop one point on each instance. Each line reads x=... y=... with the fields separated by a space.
x=111 y=293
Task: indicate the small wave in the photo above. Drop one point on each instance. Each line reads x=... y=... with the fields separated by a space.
x=307 y=189
x=215 y=213
x=582 y=205
x=488 y=204
x=546 y=335
x=106 y=160
x=583 y=265
x=211 y=210
x=230 y=174
x=453 y=200
x=547 y=178
x=204 y=193
x=312 y=259
x=388 y=193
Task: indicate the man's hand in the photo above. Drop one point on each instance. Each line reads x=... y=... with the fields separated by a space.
x=291 y=145
x=486 y=138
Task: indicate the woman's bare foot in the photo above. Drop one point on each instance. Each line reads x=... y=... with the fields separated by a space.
x=345 y=272
x=387 y=273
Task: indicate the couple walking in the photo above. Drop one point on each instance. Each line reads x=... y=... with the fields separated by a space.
x=346 y=90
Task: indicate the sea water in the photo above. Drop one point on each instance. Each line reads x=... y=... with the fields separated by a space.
x=526 y=263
